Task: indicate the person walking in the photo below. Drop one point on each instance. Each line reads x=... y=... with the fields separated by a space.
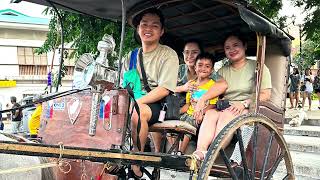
x=307 y=80
x=316 y=86
x=294 y=88
x=16 y=115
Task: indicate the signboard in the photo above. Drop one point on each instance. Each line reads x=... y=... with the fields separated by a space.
x=5 y=83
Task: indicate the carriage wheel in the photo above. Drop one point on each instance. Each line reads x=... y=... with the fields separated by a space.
x=268 y=149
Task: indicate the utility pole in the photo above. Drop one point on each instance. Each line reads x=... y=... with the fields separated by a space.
x=300 y=39
x=300 y=36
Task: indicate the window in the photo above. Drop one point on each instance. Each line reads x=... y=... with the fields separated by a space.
x=31 y=63
x=26 y=56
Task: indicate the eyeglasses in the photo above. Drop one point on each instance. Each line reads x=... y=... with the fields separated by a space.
x=191 y=52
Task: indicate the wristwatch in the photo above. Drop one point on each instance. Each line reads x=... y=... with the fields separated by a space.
x=245 y=104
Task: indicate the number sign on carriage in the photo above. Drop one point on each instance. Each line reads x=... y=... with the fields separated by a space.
x=59 y=104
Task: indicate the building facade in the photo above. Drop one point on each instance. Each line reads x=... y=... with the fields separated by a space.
x=22 y=71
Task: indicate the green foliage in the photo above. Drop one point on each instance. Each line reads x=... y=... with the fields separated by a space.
x=84 y=33
x=270 y=8
x=309 y=55
x=314 y=96
x=311 y=27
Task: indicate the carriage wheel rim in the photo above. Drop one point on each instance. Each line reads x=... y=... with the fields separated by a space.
x=235 y=124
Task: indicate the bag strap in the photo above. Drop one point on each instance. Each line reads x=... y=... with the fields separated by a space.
x=136 y=106
x=133 y=59
x=143 y=72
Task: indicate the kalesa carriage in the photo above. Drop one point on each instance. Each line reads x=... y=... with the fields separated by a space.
x=78 y=144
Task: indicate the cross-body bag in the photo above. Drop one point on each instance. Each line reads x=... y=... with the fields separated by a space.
x=170 y=103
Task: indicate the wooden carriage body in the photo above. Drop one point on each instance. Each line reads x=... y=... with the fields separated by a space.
x=210 y=22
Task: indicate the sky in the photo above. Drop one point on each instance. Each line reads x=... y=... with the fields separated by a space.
x=26 y=8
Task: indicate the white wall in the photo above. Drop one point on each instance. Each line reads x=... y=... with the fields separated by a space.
x=8 y=55
x=8 y=71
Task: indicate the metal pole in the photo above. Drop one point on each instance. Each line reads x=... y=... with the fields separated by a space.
x=300 y=36
x=123 y=24
x=62 y=42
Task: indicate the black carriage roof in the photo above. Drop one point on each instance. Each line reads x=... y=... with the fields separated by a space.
x=207 y=20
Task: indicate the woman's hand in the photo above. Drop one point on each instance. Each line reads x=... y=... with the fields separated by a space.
x=189 y=86
x=236 y=108
x=198 y=109
x=199 y=118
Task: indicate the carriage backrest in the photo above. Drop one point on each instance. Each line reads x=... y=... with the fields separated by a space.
x=278 y=66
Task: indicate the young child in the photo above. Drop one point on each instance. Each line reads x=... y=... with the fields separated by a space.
x=204 y=66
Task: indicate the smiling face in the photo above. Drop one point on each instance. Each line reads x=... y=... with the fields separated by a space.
x=234 y=49
x=190 y=53
x=150 y=29
x=204 y=68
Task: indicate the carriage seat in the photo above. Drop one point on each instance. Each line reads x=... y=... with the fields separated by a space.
x=173 y=126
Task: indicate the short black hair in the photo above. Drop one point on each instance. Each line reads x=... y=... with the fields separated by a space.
x=196 y=41
x=238 y=35
x=13 y=99
x=136 y=20
x=206 y=55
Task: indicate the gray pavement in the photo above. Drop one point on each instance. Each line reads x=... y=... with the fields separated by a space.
x=303 y=142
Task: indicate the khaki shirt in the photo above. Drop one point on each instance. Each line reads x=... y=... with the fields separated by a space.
x=241 y=82
x=161 y=66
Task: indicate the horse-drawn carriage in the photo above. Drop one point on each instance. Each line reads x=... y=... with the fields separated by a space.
x=75 y=130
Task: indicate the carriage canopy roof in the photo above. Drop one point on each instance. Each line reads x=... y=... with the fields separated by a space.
x=207 y=20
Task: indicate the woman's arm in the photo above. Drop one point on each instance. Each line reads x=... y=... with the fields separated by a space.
x=216 y=89
x=265 y=94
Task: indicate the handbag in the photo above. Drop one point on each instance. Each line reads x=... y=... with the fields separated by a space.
x=303 y=88
x=132 y=77
x=171 y=103
x=222 y=104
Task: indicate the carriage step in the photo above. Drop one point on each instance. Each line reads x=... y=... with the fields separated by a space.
x=303 y=144
x=312 y=131
x=306 y=165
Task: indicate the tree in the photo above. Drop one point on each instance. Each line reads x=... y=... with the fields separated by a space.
x=270 y=8
x=312 y=21
x=309 y=55
x=84 y=33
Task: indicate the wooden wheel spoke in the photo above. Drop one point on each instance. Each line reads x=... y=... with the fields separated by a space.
x=286 y=177
x=176 y=143
x=254 y=159
x=243 y=155
x=276 y=164
x=266 y=155
x=228 y=164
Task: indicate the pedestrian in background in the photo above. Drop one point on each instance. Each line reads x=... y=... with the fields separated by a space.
x=294 y=88
x=316 y=86
x=307 y=80
x=1 y=123
x=34 y=121
x=16 y=115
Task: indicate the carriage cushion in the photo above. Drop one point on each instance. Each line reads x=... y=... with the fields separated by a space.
x=173 y=126
x=277 y=64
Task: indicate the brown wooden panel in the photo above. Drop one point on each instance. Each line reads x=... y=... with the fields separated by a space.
x=21 y=51
x=59 y=129
x=29 y=60
x=21 y=59
x=28 y=51
x=37 y=60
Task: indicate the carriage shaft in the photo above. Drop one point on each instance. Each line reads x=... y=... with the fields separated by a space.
x=117 y=156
